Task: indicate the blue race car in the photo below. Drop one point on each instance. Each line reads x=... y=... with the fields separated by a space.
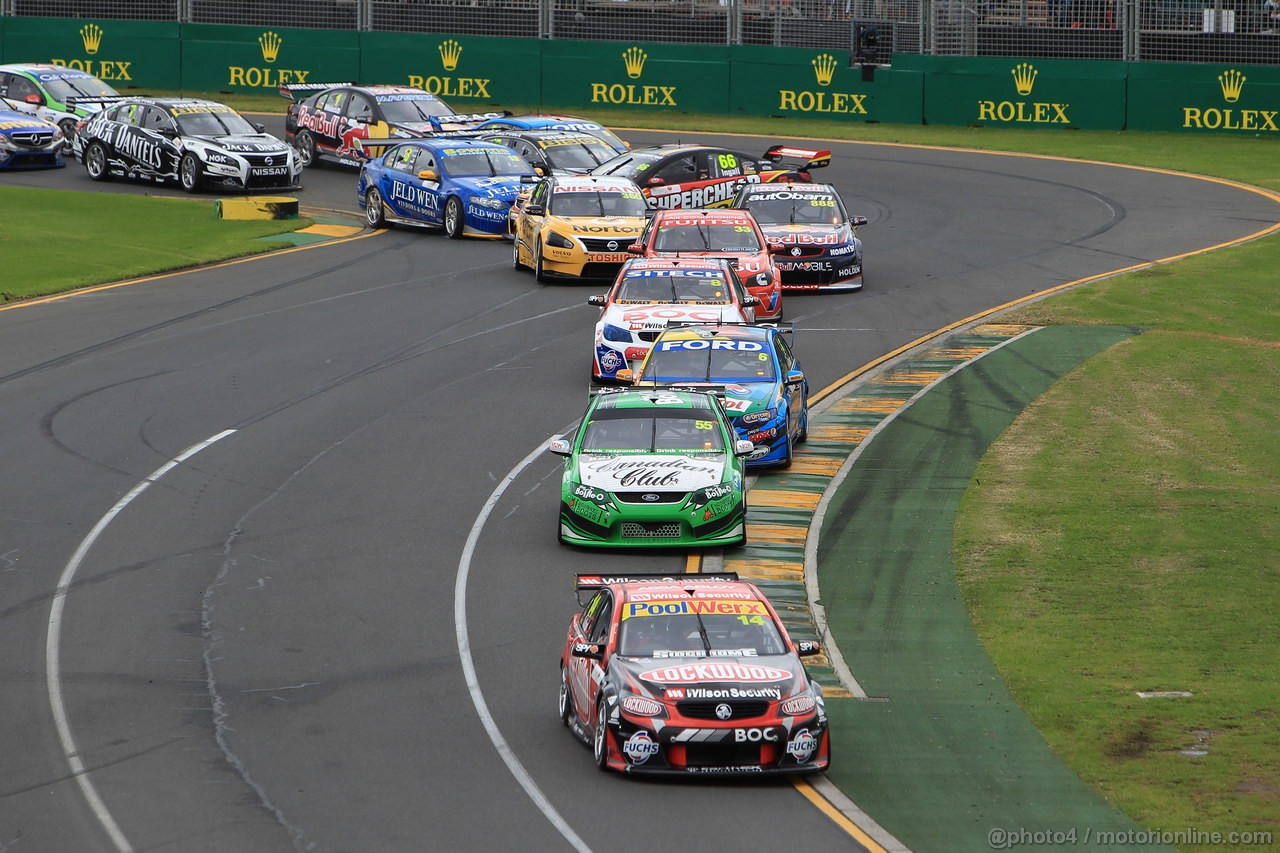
x=465 y=186
x=556 y=122
x=27 y=142
x=751 y=368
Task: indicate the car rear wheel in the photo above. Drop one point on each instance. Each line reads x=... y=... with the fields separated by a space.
x=600 y=737
x=566 y=702
x=190 y=173
x=453 y=218
x=95 y=162
x=68 y=128
x=305 y=144
x=373 y=212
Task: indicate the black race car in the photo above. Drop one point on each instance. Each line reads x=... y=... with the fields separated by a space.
x=552 y=151
x=351 y=123
x=681 y=175
x=194 y=143
x=822 y=250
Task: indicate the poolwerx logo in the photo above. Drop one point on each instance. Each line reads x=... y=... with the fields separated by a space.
x=1023 y=112
x=455 y=87
x=1232 y=83
x=633 y=94
x=824 y=69
x=269 y=44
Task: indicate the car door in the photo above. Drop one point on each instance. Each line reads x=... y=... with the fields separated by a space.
x=587 y=674
x=158 y=128
x=137 y=149
x=357 y=123
x=795 y=394
x=530 y=223
x=409 y=196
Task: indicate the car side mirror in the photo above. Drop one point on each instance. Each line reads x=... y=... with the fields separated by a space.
x=169 y=132
x=626 y=376
x=35 y=99
x=428 y=175
x=560 y=446
x=535 y=209
x=599 y=300
x=808 y=648
x=750 y=301
x=742 y=447
x=855 y=221
x=655 y=181
x=588 y=650
x=260 y=127
x=795 y=377
x=635 y=249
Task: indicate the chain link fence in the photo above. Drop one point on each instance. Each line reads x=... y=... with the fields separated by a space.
x=1237 y=31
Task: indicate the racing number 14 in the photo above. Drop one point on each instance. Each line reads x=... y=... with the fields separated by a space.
x=751 y=620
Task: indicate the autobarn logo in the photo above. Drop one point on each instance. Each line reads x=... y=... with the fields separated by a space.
x=693 y=673
x=677 y=196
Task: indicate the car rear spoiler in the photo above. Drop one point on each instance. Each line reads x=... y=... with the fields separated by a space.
x=295 y=91
x=596 y=581
x=102 y=100
x=812 y=158
x=476 y=118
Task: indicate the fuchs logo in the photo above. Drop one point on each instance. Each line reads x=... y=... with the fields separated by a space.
x=1023 y=112
x=91 y=35
x=824 y=69
x=802 y=746
x=1231 y=82
x=270 y=43
x=633 y=60
x=450 y=53
x=640 y=747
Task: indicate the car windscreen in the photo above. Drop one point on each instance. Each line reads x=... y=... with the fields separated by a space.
x=630 y=165
x=646 y=432
x=706 y=237
x=789 y=208
x=587 y=203
x=201 y=121
x=81 y=86
x=650 y=289
x=483 y=162
x=652 y=629
x=583 y=153
x=682 y=361
x=412 y=109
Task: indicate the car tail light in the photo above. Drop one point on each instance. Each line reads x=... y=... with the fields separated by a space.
x=798 y=705
x=641 y=706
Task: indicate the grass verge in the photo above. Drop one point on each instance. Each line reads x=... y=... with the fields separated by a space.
x=101 y=237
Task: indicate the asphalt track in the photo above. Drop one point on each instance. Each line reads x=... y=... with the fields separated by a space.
x=258 y=649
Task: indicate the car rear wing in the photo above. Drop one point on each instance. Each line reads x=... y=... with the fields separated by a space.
x=811 y=158
x=74 y=101
x=297 y=91
x=469 y=118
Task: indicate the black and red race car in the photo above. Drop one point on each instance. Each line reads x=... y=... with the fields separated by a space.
x=682 y=175
x=689 y=674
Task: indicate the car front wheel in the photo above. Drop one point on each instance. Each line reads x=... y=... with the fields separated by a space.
x=566 y=701
x=190 y=173
x=305 y=145
x=539 y=272
x=95 y=162
x=600 y=737
x=515 y=254
x=453 y=218
x=373 y=212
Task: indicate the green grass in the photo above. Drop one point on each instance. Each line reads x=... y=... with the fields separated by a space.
x=58 y=240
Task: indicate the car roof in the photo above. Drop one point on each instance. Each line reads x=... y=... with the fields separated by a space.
x=726 y=215
x=170 y=103
x=669 y=263
x=397 y=90
x=644 y=398
x=789 y=186
x=710 y=585
x=721 y=331
x=436 y=143
x=589 y=183
x=44 y=68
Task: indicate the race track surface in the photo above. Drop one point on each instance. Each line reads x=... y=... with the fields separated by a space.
x=258 y=649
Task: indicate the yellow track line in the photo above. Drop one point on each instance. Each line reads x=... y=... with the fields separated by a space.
x=837 y=817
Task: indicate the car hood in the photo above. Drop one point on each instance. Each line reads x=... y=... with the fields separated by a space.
x=647 y=472
x=505 y=187
x=639 y=318
x=692 y=675
x=247 y=143
x=808 y=235
x=740 y=398
x=12 y=120
x=599 y=226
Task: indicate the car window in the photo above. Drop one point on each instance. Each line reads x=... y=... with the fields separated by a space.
x=726 y=164
x=21 y=87
x=785 y=358
x=404 y=159
x=708 y=290
x=360 y=108
x=704 y=237
x=678 y=170
x=683 y=432
x=539 y=194
x=132 y=114
x=155 y=119
x=598 y=630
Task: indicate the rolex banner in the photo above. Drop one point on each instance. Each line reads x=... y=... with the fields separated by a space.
x=125 y=54
x=259 y=59
x=1039 y=94
x=468 y=72
x=635 y=76
x=1209 y=98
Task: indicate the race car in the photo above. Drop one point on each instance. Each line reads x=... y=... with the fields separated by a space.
x=552 y=151
x=652 y=469
x=192 y=142
x=350 y=123
x=55 y=93
x=575 y=227
x=464 y=186
x=732 y=234
x=752 y=368
x=681 y=175
x=650 y=293
x=27 y=142
x=557 y=122
x=689 y=674
x=821 y=247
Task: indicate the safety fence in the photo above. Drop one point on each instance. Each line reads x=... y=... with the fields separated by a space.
x=1185 y=31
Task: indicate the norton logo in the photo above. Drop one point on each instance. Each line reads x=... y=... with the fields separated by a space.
x=824 y=70
x=1023 y=112
x=1231 y=82
x=91 y=35
x=633 y=60
x=450 y=51
x=269 y=44
x=104 y=69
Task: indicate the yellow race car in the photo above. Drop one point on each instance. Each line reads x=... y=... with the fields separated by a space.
x=576 y=226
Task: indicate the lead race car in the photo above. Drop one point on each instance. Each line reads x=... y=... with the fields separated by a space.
x=689 y=674
x=821 y=250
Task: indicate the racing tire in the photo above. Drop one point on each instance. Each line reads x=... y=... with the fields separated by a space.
x=374 y=215
x=789 y=457
x=600 y=737
x=804 y=430
x=453 y=218
x=95 y=162
x=566 y=702
x=539 y=272
x=190 y=173
x=515 y=254
x=68 y=128
x=305 y=144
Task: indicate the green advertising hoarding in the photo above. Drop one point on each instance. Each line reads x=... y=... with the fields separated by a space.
x=1207 y=98
x=1024 y=93
x=820 y=84
x=468 y=72
x=635 y=76
x=125 y=54
x=261 y=59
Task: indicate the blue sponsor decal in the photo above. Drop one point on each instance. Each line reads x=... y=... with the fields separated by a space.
x=739 y=346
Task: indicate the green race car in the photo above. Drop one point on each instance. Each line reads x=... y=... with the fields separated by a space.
x=653 y=469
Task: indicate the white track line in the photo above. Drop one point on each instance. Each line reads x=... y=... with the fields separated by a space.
x=53 y=665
